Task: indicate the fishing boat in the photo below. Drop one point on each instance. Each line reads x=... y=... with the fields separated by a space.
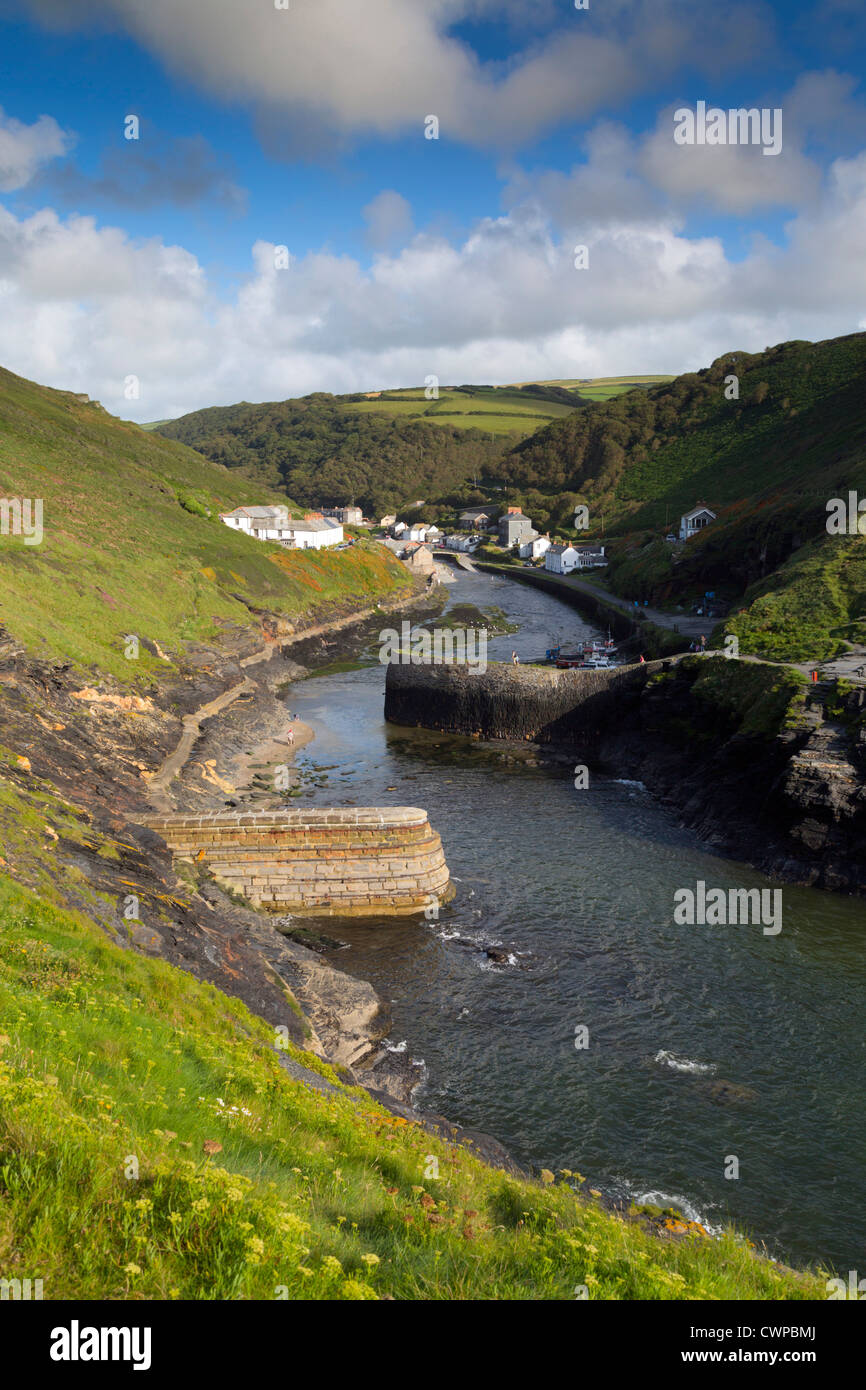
x=597 y=654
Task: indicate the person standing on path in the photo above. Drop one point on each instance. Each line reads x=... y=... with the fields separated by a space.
x=291 y=736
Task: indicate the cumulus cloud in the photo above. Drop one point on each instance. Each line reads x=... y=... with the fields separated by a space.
x=628 y=177
x=338 y=68
x=84 y=306
x=24 y=149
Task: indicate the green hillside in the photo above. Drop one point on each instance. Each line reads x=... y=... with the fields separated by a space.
x=383 y=448
x=133 y=542
x=322 y=451
x=767 y=463
x=152 y=1147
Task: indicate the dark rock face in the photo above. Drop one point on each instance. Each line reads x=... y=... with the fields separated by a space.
x=791 y=801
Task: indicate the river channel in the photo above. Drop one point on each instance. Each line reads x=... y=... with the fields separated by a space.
x=703 y=1042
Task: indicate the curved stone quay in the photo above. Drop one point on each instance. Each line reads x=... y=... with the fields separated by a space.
x=350 y=862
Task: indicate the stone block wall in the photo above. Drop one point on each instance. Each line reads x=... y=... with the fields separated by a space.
x=357 y=861
x=537 y=703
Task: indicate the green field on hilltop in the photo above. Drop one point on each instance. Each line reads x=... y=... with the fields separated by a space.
x=605 y=388
x=495 y=410
x=153 y=1147
x=133 y=543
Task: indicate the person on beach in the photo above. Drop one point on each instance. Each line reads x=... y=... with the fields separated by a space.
x=515 y=659
x=291 y=735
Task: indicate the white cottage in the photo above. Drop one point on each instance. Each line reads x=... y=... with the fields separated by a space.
x=534 y=549
x=310 y=534
x=252 y=520
x=561 y=559
x=695 y=520
x=590 y=556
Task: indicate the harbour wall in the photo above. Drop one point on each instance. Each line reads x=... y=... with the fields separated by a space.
x=538 y=704
x=349 y=862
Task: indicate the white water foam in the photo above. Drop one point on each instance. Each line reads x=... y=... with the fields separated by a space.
x=670 y=1059
x=640 y=1197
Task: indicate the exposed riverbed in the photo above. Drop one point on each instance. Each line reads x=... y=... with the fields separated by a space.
x=704 y=1042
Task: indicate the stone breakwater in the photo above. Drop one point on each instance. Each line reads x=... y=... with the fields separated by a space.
x=351 y=862
x=765 y=771
x=539 y=704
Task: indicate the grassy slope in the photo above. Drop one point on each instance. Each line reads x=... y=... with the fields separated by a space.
x=129 y=547
x=767 y=463
x=495 y=410
x=109 y=1060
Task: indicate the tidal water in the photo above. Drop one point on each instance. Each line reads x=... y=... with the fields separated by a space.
x=578 y=886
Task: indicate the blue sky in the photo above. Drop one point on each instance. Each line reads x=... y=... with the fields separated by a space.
x=409 y=256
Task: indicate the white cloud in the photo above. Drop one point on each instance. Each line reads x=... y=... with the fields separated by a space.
x=379 y=67
x=83 y=306
x=25 y=148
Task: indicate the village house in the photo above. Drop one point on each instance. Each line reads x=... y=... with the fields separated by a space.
x=590 y=556
x=535 y=548
x=464 y=543
x=399 y=528
x=274 y=524
x=313 y=533
x=419 y=557
x=515 y=527
x=387 y=521
x=474 y=518
x=418 y=532
x=695 y=520
x=434 y=535
x=561 y=559
x=254 y=519
x=349 y=516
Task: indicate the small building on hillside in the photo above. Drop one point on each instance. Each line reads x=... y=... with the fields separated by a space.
x=561 y=559
x=590 y=556
x=475 y=518
x=695 y=520
x=399 y=529
x=419 y=557
x=534 y=549
x=418 y=532
x=252 y=520
x=387 y=521
x=274 y=524
x=514 y=527
x=348 y=516
x=434 y=535
x=310 y=534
